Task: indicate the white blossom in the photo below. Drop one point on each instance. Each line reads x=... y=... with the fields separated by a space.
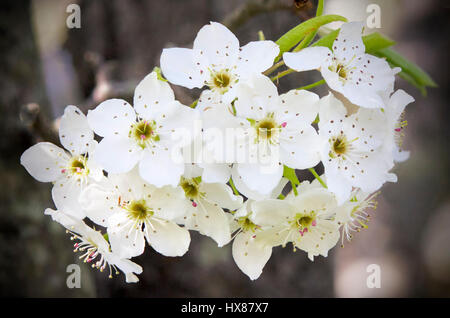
x=217 y=61
x=250 y=254
x=144 y=135
x=133 y=210
x=394 y=112
x=362 y=78
x=352 y=216
x=69 y=170
x=352 y=149
x=277 y=131
x=207 y=202
x=306 y=220
x=95 y=248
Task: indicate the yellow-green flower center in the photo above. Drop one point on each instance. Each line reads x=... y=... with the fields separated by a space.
x=190 y=187
x=138 y=210
x=143 y=132
x=340 y=145
x=221 y=81
x=77 y=166
x=266 y=128
x=247 y=225
x=304 y=221
x=340 y=70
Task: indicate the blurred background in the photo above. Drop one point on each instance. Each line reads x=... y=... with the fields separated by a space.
x=45 y=66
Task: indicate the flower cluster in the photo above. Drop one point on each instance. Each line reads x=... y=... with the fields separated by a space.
x=226 y=165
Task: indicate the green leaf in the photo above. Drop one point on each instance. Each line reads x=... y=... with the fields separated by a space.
x=376 y=41
x=296 y=34
x=373 y=42
x=327 y=40
x=410 y=71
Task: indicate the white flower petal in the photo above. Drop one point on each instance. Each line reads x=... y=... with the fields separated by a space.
x=69 y=222
x=112 y=117
x=315 y=242
x=256 y=179
x=117 y=155
x=218 y=44
x=348 y=43
x=179 y=67
x=213 y=173
x=209 y=220
x=221 y=194
x=298 y=107
x=300 y=148
x=256 y=97
x=330 y=108
x=74 y=131
x=308 y=59
x=66 y=194
x=131 y=278
x=44 y=161
x=99 y=202
x=256 y=57
x=271 y=212
x=158 y=168
x=151 y=93
x=125 y=265
x=341 y=187
x=397 y=103
x=249 y=255
x=168 y=203
x=167 y=238
x=126 y=239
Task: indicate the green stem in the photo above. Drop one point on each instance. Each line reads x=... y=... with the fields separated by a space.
x=273 y=68
x=194 y=103
x=294 y=188
x=290 y=174
x=281 y=74
x=318 y=177
x=261 y=35
x=233 y=187
x=318 y=83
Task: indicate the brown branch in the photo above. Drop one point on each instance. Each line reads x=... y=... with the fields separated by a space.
x=252 y=8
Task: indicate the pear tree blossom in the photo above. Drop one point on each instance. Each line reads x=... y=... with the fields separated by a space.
x=250 y=254
x=70 y=169
x=352 y=149
x=394 y=113
x=306 y=220
x=217 y=61
x=362 y=78
x=134 y=211
x=143 y=135
x=352 y=216
x=277 y=132
x=205 y=209
x=94 y=248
